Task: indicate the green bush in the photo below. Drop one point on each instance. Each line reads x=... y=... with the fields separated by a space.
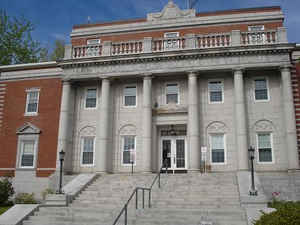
x=288 y=213
x=25 y=198
x=6 y=191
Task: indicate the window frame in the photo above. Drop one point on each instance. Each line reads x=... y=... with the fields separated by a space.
x=136 y=95
x=268 y=89
x=215 y=80
x=30 y=90
x=20 y=149
x=225 y=149
x=82 y=148
x=85 y=98
x=122 y=150
x=272 y=148
x=178 y=94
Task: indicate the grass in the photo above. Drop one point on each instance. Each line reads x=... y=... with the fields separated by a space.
x=3 y=209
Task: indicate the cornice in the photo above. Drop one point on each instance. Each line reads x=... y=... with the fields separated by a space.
x=177 y=55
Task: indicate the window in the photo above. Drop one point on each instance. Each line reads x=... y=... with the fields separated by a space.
x=27 y=153
x=264 y=147
x=217 y=148
x=130 y=96
x=172 y=41
x=87 y=151
x=32 y=101
x=256 y=34
x=261 y=89
x=172 y=91
x=215 y=91
x=91 y=98
x=129 y=153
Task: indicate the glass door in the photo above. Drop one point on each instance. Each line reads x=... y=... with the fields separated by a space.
x=174 y=153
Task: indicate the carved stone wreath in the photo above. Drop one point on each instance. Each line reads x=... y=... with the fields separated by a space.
x=263 y=126
x=217 y=127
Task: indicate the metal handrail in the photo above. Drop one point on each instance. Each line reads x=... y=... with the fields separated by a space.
x=135 y=193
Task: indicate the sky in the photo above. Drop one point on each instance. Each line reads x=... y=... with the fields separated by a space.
x=53 y=19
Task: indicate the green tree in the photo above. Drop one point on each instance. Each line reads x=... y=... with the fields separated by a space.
x=16 y=43
x=59 y=50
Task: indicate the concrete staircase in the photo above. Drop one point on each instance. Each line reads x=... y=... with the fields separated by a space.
x=184 y=199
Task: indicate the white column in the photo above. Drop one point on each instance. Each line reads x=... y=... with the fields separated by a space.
x=289 y=119
x=102 y=149
x=240 y=120
x=64 y=121
x=147 y=122
x=193 y=122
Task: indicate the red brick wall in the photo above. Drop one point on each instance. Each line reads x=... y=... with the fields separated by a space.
x=47 y=120
x=296 y=92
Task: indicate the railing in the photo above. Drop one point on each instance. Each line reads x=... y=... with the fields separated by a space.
x=258 y=37
x=124 y=210
x=214 y=40
x=129 y=47
x=149 y=45
x=165 y=44
x=87 y=51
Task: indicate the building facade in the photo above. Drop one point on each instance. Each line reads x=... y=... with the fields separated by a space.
x=178 y=87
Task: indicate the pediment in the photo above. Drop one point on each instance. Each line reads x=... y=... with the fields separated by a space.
x=171 y=11
x=28 y=128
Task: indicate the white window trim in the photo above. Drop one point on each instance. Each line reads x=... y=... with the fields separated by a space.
x=27 y=102
x=136 y=96
x=178 y=95
x=214 y=80
x=268 y=89
x=81 y=150
x=85 y=97
x=122 y=150
x=272 y=149
x=225 y=149
x=21 y=139
x=165 y=34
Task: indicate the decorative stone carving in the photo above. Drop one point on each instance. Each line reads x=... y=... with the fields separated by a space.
x=217 y=127
x=171 y=11
x=28 y=128
x=88 y=131
x=263 y=126
x=128 y=129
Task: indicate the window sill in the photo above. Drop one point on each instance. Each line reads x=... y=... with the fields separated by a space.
x=31 y=114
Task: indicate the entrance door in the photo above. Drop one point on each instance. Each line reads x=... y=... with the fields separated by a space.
x=174 y=153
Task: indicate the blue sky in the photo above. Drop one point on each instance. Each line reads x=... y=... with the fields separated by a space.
x=53 y=19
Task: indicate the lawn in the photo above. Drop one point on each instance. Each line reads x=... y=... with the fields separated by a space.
x=3 y=209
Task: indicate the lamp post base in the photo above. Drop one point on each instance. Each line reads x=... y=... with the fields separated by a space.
x=253 y=192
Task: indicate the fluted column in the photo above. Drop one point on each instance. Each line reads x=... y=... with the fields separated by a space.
x=240 y=120
x=193 y=122
x=102 y=150
x=147 y=122
x=64 y=121
x=289 y=118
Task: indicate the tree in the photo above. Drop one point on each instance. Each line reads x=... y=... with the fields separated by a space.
x=59 y=50
x=16 y=43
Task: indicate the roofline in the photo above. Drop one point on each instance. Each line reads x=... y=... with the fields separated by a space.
x=140 y=20
x=16 y=67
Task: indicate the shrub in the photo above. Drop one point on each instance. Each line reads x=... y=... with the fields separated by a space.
x=288 y=213
x=46 y=192
x=25 y=198
x=6 y=191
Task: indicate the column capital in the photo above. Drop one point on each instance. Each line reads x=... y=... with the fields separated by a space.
x=147 y=76
x=66 y=81
x=238 y=69
x=285 y=67
x=105 y=78
x=192 y=73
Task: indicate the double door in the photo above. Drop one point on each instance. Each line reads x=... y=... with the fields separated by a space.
x=174 y=153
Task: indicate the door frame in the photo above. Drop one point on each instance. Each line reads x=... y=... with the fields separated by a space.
x=173 y=150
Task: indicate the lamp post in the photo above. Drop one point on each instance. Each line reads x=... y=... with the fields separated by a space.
x=61 y=159
x=252 y=191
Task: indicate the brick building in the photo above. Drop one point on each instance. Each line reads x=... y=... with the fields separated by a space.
x=178 y=86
